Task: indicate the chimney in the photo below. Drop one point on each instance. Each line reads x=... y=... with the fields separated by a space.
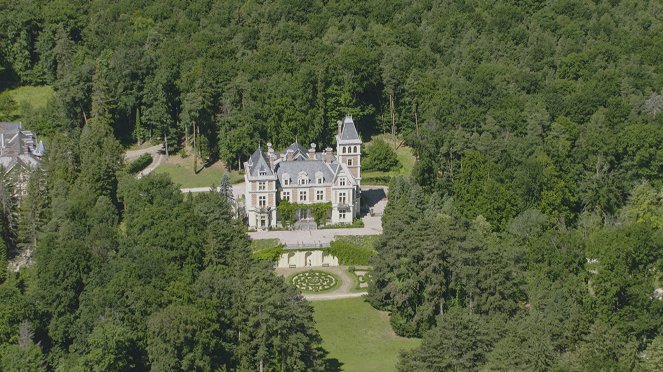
x=289 y=154
x=311 y=152
x=328 y=155
x=340 y=127
x=271 y=156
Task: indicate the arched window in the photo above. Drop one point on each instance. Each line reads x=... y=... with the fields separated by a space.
x=354 y=150
x=343 y=148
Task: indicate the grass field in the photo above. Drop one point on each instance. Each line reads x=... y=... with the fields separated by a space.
x=181 y=172
x=405 y=157
x=28 y=96
x=358 y=336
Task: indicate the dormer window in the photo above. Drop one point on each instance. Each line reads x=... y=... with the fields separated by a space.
x=303 y=178
x=262 y=172
x=341 y=181
x=286 y=181
x=319 y=178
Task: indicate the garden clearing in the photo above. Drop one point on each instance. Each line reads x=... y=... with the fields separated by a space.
x=181 y=172
x=358 y=337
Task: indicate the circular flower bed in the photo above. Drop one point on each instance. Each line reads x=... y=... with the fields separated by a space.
x=314 y=281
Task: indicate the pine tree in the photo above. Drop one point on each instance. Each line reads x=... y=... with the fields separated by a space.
x=33 y=211
x=9 y=212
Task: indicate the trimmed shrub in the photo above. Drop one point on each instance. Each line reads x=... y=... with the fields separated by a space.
x=350 y=254
x=269 y=254
x=139 y=164
x=380 y=157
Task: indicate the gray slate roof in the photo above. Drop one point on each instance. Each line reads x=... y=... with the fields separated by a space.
x=297 y=148
x=349 y=131
x=258 y=162
x=311 y=167
x=18 y=145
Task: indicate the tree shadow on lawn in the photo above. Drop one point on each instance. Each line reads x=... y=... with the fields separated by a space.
x=333 y=365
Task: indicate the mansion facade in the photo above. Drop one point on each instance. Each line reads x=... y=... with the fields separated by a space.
x=20 y=154
x=305 y=177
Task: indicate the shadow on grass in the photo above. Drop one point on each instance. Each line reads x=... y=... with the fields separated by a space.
x=333 y=365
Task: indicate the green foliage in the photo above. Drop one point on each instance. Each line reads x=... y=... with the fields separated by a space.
x=180 y=338
x=139 y=164
x=349 y=253
x=379 y=156
x=460 y=342
x=269 y=254
x=286 y=211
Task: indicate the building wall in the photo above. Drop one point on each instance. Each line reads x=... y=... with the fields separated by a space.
x=312 y=258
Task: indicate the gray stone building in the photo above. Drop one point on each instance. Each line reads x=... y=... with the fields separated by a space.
x=305 y=177
x=19 y=154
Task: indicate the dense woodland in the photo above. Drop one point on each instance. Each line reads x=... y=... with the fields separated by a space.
x=530 y=236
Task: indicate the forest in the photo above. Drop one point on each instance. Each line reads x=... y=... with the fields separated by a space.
x=530 y=236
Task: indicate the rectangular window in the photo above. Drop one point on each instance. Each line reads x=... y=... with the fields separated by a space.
x=286 y=181
x=302 y=196
x=285 y=195
x=349 y=162
x=341 y=181
x=342 y=199
x=319 y=195
x=341 y=215
x=262 y=186
x=262 y=201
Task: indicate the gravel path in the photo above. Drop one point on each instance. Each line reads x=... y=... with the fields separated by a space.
x=133 y=154
x=151 y=167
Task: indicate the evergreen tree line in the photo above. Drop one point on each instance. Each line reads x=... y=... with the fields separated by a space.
x=132 y=275
x=532 y=296
x=450 y=76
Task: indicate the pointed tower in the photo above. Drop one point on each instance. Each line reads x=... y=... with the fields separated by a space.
x=348 y=147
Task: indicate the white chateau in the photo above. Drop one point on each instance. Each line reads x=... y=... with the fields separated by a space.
x=305 y=176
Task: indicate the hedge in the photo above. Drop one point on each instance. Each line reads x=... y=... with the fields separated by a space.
x=350 y=254
x=139 y=164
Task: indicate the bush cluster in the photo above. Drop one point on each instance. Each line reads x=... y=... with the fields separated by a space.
x=350 y=254
x=139 y=164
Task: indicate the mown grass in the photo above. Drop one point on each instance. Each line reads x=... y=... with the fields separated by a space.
x=405 y=157
x=35 y=97
x=181 y=172
x=359 y=337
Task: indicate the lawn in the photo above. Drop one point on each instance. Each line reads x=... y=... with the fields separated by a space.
x=181 y=172
x=358 y=336
x=405 y=157
x=28 y=96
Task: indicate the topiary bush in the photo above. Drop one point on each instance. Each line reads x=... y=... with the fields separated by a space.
x=379 y=156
